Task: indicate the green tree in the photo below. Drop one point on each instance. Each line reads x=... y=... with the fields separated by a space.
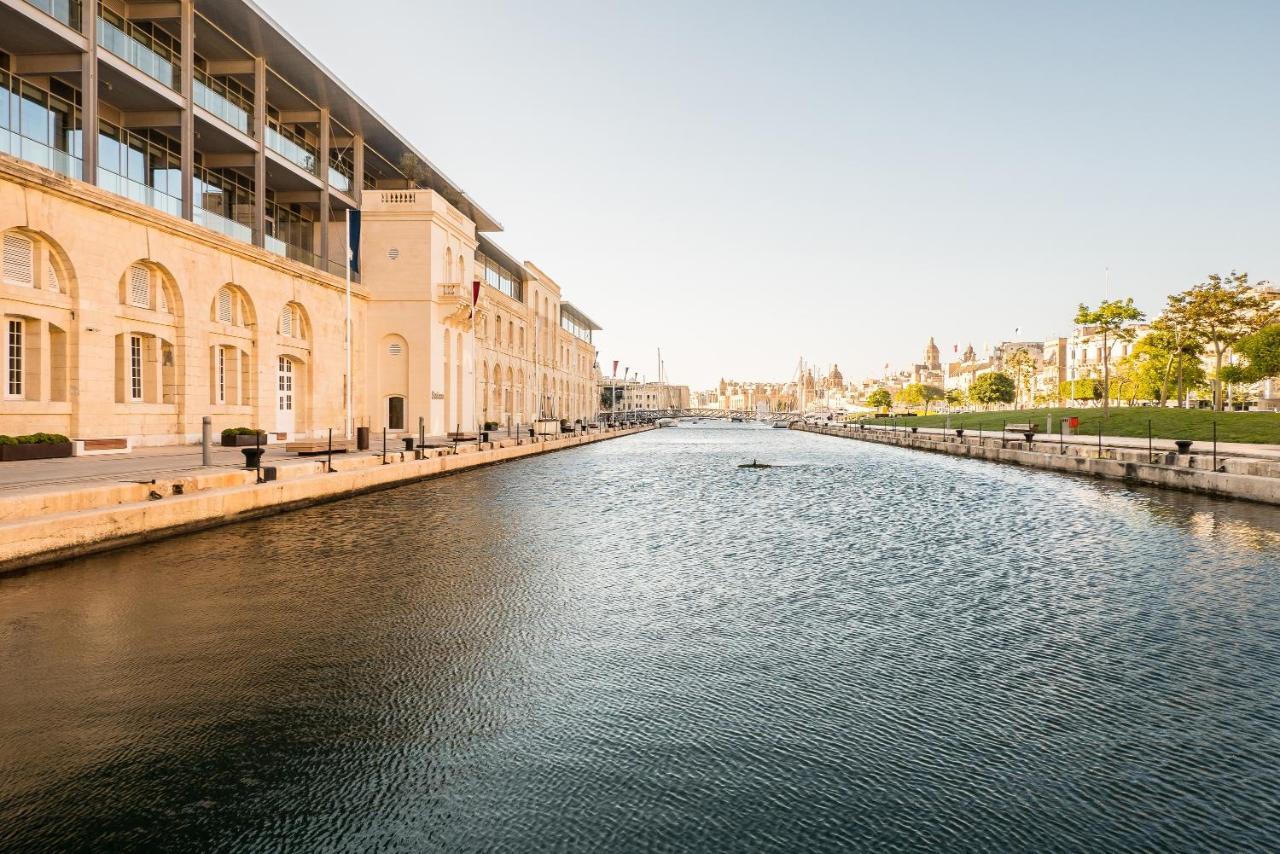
x=955 y=397
x=1080 y=390
x=1021 y=367
x=994 y=387
x=918 y=394
x=1261 y=352
x=1217 y=313
x=1112 y=318
x=880 y=399
x=1148 y=370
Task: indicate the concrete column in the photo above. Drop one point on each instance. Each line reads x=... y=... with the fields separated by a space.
x=187 y=30
x=260 y=155
x=324 y=188
x=89 y=93
x=357 y=168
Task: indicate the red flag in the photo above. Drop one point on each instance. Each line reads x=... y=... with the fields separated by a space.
x=615 y=367
x=475 y=292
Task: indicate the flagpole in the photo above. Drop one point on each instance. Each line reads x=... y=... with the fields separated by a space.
x=347 y=343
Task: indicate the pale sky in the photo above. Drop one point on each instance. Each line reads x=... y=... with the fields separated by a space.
x=744 y=183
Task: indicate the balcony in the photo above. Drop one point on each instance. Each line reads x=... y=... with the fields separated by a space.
x=219 y=223
x=62 y=162
x=295 y=152
x=303 y=256
x=215 y=97
x=66 y=11
x=139 y=52
x=138 y=192
x=339 y=181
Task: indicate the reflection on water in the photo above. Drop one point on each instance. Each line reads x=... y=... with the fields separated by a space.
x=638 y=645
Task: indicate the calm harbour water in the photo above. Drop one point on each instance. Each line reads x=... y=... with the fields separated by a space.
x=638 y=646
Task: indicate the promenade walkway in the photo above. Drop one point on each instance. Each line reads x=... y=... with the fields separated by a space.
x=1225 y=449
x=54 y=509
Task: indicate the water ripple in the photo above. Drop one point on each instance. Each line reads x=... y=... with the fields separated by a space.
x=639 y=646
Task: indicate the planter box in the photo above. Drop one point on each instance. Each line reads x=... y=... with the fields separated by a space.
x=240 y=441
x=15 y=453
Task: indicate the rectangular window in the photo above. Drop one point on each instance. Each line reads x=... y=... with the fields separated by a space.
x=222 y=375
x=135 y=367
x=13 y=387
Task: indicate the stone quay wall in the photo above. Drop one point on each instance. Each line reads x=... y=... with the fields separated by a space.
x=1234 y=476
x=51 y=527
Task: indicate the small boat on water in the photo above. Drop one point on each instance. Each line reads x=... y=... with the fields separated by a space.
x=737 y=419
x=666 y=422
x=755 y=464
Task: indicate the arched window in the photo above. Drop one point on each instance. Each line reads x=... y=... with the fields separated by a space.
x=144 y=286
x=497 y=331
x=293 y=322
x=231 y=307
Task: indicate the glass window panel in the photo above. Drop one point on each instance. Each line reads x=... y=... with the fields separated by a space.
x=34 y=122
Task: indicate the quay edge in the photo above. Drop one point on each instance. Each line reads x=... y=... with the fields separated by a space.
x=52 y=538
x=1127 y=465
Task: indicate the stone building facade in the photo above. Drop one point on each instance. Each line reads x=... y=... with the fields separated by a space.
x=189 y=258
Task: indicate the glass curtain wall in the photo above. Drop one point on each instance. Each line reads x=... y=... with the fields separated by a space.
x=144 y=166
x=40 y=127
x=224 y=202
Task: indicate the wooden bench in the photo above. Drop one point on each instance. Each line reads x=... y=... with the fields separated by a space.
x=92 y=447
x=461 y=437
x=1020 y=428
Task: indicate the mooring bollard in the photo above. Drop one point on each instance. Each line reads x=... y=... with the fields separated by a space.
x=329 y=464
x=206 y=441
x=384 y=446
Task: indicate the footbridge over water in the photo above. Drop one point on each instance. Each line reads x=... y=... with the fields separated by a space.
x=648 y=416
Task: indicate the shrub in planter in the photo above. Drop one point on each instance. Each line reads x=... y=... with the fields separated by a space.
x=236 y=437
x=35 y=446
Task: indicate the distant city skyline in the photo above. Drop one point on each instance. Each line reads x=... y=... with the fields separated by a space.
x=833 y=179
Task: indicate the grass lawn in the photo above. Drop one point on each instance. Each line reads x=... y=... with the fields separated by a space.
x=1196 y=424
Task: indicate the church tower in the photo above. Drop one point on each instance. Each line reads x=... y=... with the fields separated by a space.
x=932 y=358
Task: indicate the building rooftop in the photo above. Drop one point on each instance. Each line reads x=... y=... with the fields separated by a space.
x=248 y=24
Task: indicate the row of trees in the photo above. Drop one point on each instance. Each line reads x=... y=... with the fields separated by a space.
x=987 y=389
x=1221 y=315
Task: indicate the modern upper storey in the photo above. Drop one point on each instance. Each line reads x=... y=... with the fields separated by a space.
x=206 y=110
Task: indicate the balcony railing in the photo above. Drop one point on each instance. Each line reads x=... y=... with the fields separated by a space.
x=133 y=50
x=297 y=253
x=66 y=11
x=215 y=97
x=139 y=192
x=339 y=181
x=40 y=154
x=218 y=222
x=292 y=151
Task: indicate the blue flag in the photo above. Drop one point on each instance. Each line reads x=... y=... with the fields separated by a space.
x=353 y=240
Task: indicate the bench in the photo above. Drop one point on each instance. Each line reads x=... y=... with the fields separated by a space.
x=94 y=447
x=461 y=437
x=1020 y=428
